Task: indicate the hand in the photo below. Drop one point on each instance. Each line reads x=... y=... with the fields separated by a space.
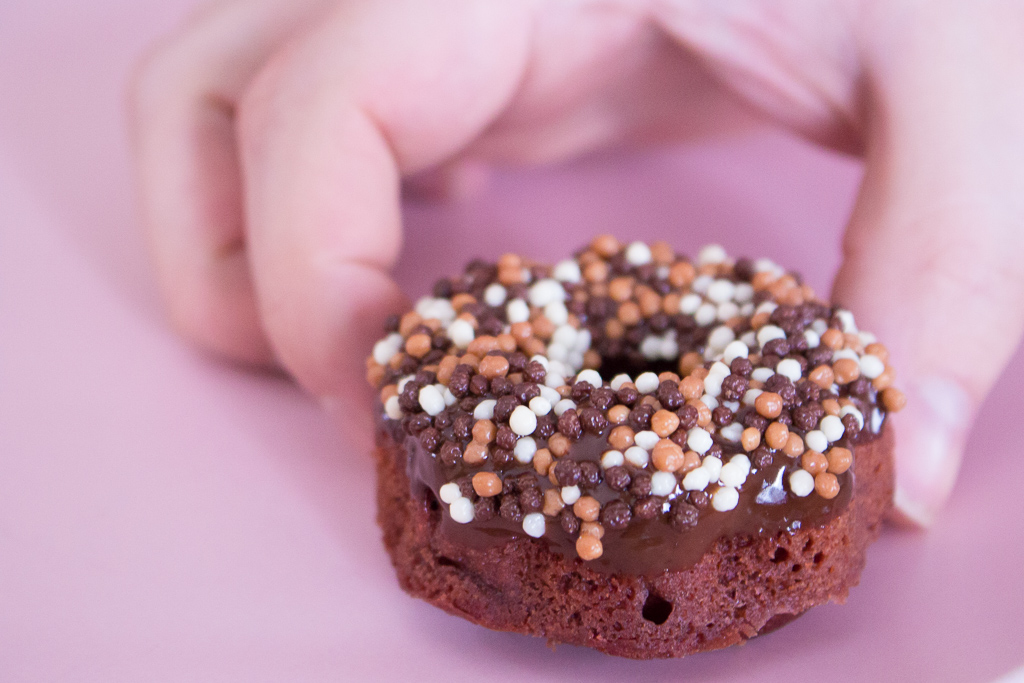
x=273 y=136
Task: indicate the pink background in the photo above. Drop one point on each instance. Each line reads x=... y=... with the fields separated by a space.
x=166 y=517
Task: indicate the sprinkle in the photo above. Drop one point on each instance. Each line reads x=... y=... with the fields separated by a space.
x=769 y=333
x=735 y=472
x=721 y=337
x=523 y=421
x=710 y=401
x=713 y=384
x=852 y=410
x=431 y=400
x=721 y=291
x=484 y=409
x=550 y=394
x=525 y=449
x=613 y=459
x=646 y=439
x=534 y=524
x=696 y=479
x=486 y=484
x=591 y=377
x=713 y=466
x=540 y=406
x=461 y=510
x=564 y=405
x=735 y=349
x=744 y=292
x=698 y=440
x=449 y=493
x=557 y=313
x=816 y=440
x=620 y=380
x=731 y=432
x=449 y=397
x=517 y=311
x=546 y=291
x=647 y=383
x=589 y=547
x=762 y=374
x=638 y=254
x=750 y=398
x=847 y=321
x=832 y=427
x=689 y=304
x=495 y=295
x=801 y=483
x=392 y=409
x=871 y=366
x=813 y=340
x=705 y=315
x=789 y=367
x=663 y=483
x=570 y=494
x=725 y=499
x=637 y=456
x=387 y=347
x=712 y=253
x=567 y=271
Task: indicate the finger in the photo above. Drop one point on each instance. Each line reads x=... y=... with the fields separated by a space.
x=933 y=253
x=184 y=99
x=327 y=130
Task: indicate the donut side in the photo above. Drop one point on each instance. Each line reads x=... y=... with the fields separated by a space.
x=742 y=586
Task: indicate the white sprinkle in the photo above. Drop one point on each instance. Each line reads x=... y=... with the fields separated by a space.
x=767 y=307
x=620 y=380
x=769 y=333
x=484 y=409
x=557 y=352
x=747 y=309
x=699 y=440
x=546 y=291
x=554 y=380
x=495 y=295
x=522 y=421
x=517 y=311
x=534 y=524
x=701 y=283
x=663 y=483
x=732 y=475
x=567 y=271
x=405 y=380
x=612 y=459
x=847 y=321
x=710 y=401
x=650 y=347
x=713 y=466
x=832 y=427
x=726 y=311
x=741 y=461
x=721 y=291
x=866 y=337
x=689 y=304
x=789 y=367
x=749 y=338
x=392 y=409
x=647 y=383
x=705 y=315
x=871 y=366
x=583 y=340
x=570 y=494
x=543 y=360
x=751 y=396
x=558 y=367
x=441 y=309
x=852 y=410
x=449 y=398
x=592 y=377
x=744 y=292
x=540 y=406
x=696 y=479
x=564 y=405
x=713 y=385
x=387 y=347
x=461 y=333
x=845 y=353
x=557 y=313
x=762 y=374
x=712 y=253
x=668 y=348
x=564 y=335
x=450 y=493
x=461 y=510
x=550 y=394
x=525 y=449
x=733 y=432
x=819 y=326
x=725 y=499
x=734 y=350
x=638 y=254
x=721 y=337
x=637 y=456
x=816 y=440
x=719 y=368
x=646 y=439
x=801 y=483
x=813 y=340
x=431 y=400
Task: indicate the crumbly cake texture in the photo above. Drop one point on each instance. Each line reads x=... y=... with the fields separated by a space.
x=633 y=415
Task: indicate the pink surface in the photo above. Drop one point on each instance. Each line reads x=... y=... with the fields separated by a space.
x=166 y=517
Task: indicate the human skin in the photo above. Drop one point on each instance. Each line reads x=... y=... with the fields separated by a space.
x=273 y=138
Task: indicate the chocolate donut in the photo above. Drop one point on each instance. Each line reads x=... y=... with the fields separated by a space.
x=629 y=450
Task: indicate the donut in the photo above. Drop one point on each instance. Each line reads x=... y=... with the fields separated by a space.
x=631 y=450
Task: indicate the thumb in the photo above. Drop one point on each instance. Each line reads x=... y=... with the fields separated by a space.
x=933 y=252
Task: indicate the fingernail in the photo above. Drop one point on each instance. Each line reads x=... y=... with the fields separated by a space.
x=930 y=435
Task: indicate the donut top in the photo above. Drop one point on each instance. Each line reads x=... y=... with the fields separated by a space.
x=630 y=406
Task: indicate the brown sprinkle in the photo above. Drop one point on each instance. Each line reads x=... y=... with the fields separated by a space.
x=622 y=436
x=587 y=508
x=691 y=388
x=542 y=461
x=826 y=485
x=833 y=339
x=553 y=502
x=475 y=454
x=846 y=370
x=814 y=462
x=417 y=345
x=486 y=484
x=794 y=447
x=831 y=406
x=768 y=404
x=667 y=456
x=777 y=435
x=484 y=431
x=839 y=459
x=589 y=547
x=691 y=461
x=558 y=444
x=893 y=399
x=494 y=366
x=595 y=529
x=750 y=439
x=617 y=415
x=663 y=423
x=822 y=376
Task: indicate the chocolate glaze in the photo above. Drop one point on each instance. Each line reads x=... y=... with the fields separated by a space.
x=644 y=547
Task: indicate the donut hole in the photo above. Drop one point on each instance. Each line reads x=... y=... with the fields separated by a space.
x=780 y=556
x=656 y=609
